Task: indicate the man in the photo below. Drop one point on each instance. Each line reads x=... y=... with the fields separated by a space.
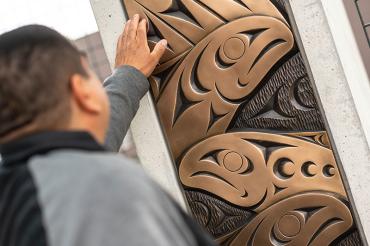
x=58 y=186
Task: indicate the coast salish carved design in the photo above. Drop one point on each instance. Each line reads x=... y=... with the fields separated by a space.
x=233 y=54
x=217 y=75
x=255 y=170
x=311 y=218
x=242 y=122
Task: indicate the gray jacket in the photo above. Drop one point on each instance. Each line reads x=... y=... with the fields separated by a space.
x=63 y=189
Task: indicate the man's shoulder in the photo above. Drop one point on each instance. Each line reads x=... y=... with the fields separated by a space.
x=82 y=171
x=85 y=161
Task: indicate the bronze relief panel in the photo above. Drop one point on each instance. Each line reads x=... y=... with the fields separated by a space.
x=243 y=125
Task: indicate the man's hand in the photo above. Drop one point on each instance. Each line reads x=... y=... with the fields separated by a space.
x=133 y=49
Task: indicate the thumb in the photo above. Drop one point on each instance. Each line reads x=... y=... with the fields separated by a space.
x=159 y=50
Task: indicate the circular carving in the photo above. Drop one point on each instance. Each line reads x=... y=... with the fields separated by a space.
x=329 y=171
x=289 y=225
x=288 y=169
x=233 y=161
x=234 y=48
x=285 y=168
x=309 y=169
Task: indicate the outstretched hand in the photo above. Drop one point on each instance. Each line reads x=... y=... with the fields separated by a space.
x=133 y=49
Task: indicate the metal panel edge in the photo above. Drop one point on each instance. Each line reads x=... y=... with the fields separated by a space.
x=338 y=101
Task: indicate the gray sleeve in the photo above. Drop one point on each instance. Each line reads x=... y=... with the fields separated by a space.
x=125 y=87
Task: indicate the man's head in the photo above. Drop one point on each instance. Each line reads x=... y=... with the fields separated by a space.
x=46 y=84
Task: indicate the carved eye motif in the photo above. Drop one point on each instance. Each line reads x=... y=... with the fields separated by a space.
x=234 y=162
x=288 y=226
x=233 y=48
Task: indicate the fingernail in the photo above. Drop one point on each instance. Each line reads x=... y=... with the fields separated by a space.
x=163 y=42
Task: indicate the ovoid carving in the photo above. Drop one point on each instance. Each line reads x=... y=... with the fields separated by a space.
x=242 y=122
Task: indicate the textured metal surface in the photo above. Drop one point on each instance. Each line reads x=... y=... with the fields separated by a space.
x=243 y=125
x=285 y=102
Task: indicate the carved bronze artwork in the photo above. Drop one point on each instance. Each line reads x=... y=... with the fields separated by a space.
x=243 y=125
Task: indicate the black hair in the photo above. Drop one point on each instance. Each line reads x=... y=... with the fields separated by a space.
x=36 y=64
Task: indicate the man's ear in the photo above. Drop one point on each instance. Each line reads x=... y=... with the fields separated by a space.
x=82 y=91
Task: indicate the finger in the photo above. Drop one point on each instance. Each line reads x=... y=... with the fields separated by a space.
x=122 y=37
x=125 y=33
x=133 y=28
x=159 y=50
x=141 y=32
x=127 y=27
